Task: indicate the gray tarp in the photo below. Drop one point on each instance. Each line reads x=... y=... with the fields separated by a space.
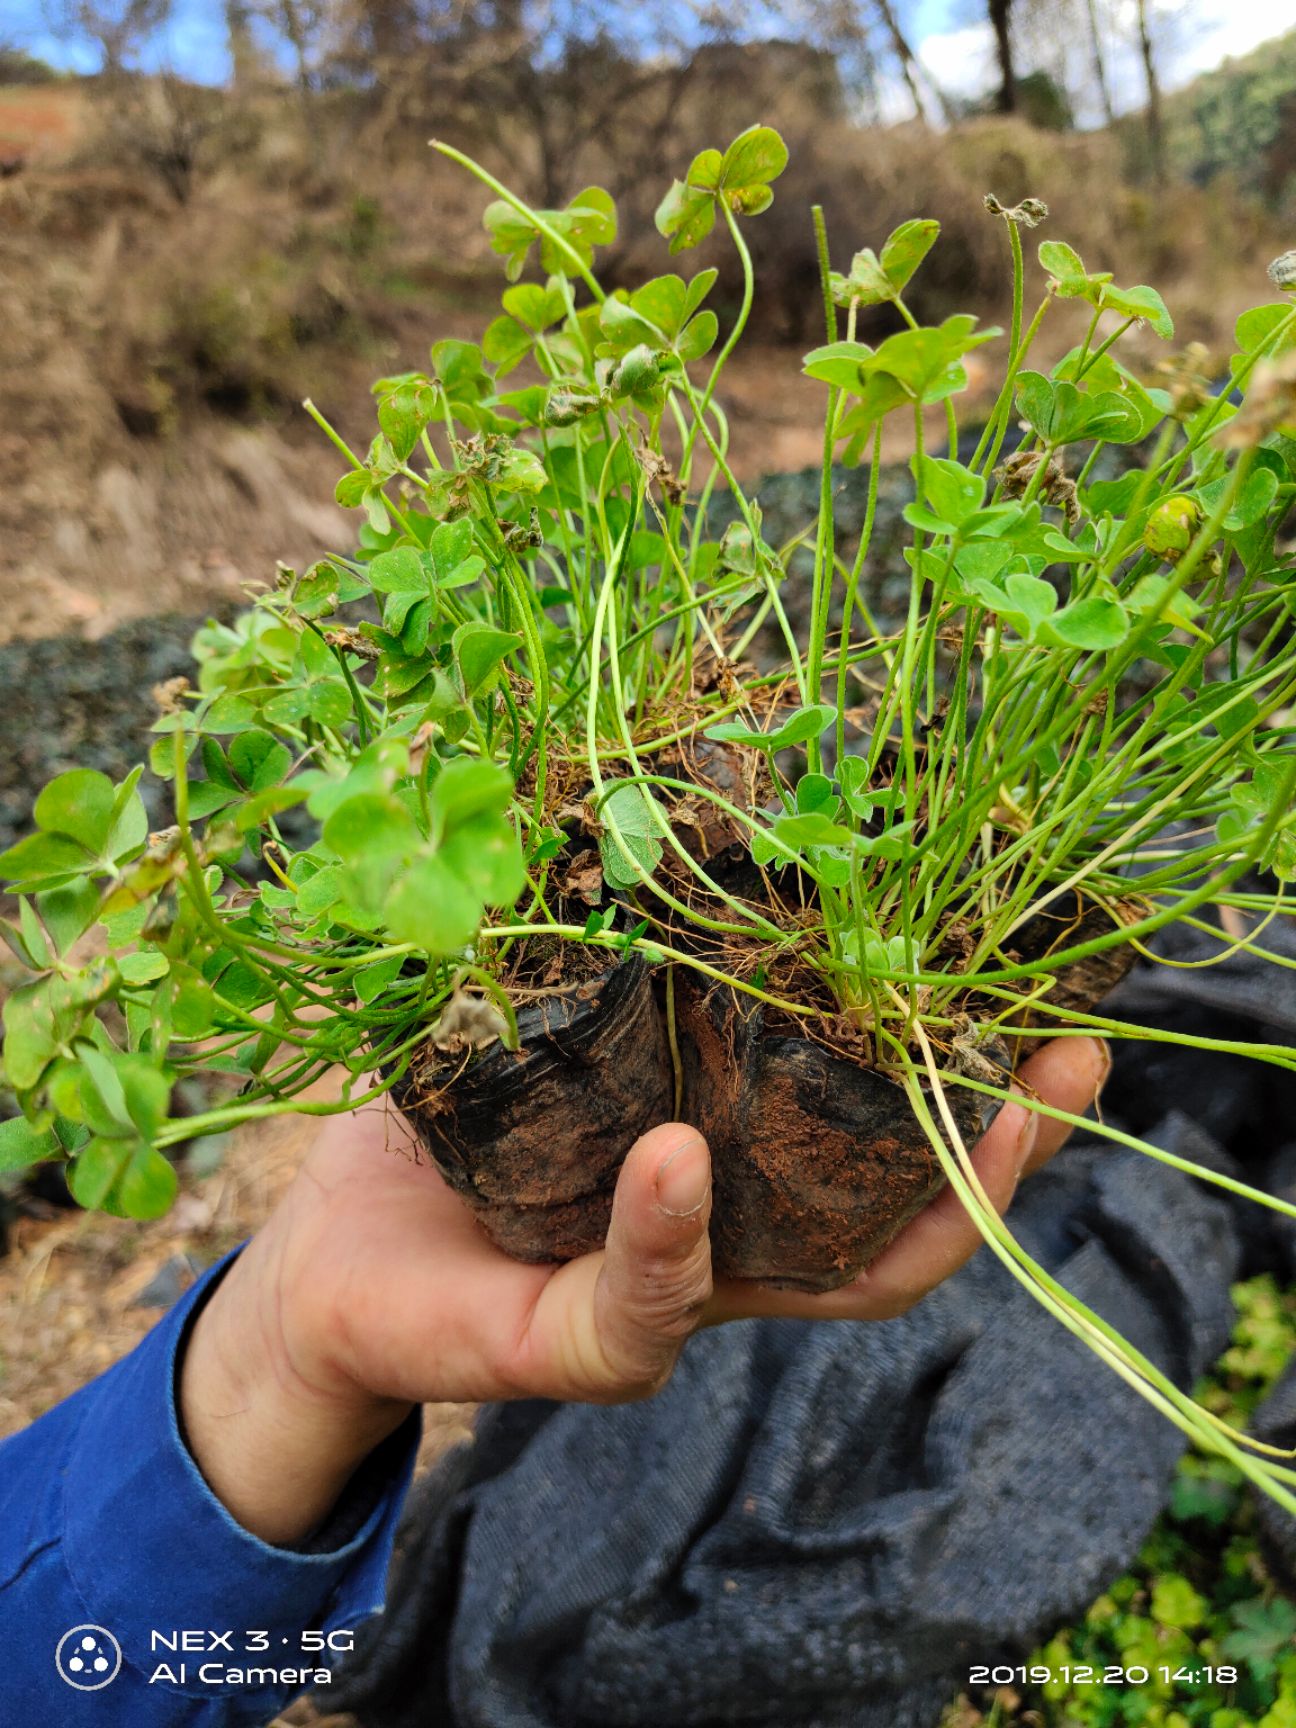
x=824 y=1526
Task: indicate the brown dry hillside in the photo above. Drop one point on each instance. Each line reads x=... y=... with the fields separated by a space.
x=154 y=351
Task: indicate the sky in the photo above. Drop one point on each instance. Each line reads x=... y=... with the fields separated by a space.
x=1195 y=35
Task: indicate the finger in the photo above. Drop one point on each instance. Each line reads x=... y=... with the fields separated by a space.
x=1067 y=1073
x=612 y=1324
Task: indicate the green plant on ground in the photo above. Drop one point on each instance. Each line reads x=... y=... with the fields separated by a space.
x=494 y=733
x=1198 y=1597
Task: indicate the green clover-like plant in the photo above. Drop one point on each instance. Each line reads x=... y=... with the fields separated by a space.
x=569 y=687
x=738 y=182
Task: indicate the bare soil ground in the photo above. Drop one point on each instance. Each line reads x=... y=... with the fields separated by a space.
x=39 y=121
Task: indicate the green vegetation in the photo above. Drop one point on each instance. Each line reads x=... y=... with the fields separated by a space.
x=391 y=764
x=1240 y=121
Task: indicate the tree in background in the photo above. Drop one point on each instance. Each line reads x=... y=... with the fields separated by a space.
x=306 y=27
x=1001 y=22
x=911 y=69
x=118 y=28
x=1155 y=122
x=246 y=67
x=1098 y=60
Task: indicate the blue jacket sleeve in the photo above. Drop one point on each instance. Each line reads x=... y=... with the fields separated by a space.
x=128 y=1594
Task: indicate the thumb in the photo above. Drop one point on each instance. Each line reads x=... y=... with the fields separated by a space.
x=655 y=1280
x=608 y=1327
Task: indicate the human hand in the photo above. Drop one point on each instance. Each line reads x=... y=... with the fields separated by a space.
x=371 y=1289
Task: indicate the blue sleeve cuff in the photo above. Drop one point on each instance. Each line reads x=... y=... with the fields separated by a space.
x=151 y=1551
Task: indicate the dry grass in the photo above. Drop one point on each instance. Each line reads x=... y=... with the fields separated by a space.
x=154 y=354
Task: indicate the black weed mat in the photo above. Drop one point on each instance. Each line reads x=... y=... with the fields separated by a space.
x=825 y=1526
x=67 y=703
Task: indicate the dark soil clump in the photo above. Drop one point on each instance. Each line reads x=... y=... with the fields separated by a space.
x=533 y=1138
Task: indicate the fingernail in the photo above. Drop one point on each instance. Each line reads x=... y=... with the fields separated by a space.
x=683 y=1179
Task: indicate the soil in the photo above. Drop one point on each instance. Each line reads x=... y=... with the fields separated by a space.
x=818 y=1158
x=533 y=1138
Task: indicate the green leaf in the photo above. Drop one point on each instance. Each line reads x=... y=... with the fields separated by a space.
x=433 y=906
x=1142 y=303
x=147 y=1092
x=631 y=809
x=742 y=176
x=506 y=344
x=755 y=157
x=867 y=284
x=1176 y=1604
x=320 y=892
x=1263 y=1632
x=1061 y=261
x=533 y=306
x=953 y=491
x=479 y=650
x=661 y=306
x=21 y=1145
x=521 y=471
x=814 y=792
x=104 y=1073
x=43 y=858
x=487 y=858
x=79 y=803
x=450 y=549
x=699 y=336
x=147 y=1186
x=404 y=414
x=862 y=799
x=1114 y=497
x=193 y=1003
x=1255 y=328
x=1096 y=623
x=1031 y=596
x=798 y=728
x=840 y=363
x=400 y=571
x=375 y=836
x=685 y=216
x=371 y=981
x=351 y=488
x=925 y=362
x=698 y=289
x=905 y=249
x=259 y=760
x=1252 y=504
x=96 y=1171
x=812 y=829
x=144 y=967
x=129 y=827
x=1062 y=413
x=1104 y=374
x=464 y=790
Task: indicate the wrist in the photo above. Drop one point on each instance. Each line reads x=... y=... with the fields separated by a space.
x=276 y=1439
